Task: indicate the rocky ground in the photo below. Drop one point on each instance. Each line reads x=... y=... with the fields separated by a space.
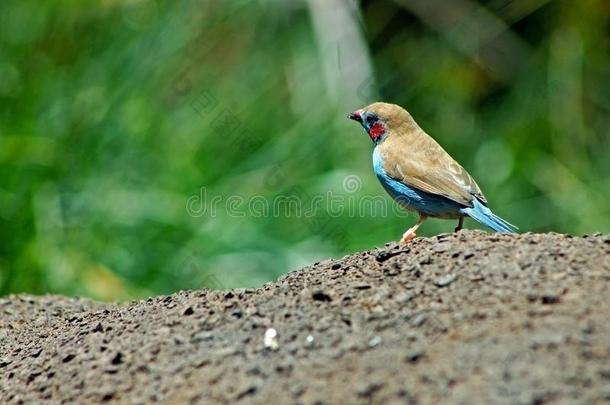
x=467 y=318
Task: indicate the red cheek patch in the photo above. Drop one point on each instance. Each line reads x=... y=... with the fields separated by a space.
x=376 y=131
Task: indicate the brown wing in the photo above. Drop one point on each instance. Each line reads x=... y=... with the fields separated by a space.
x=418 y=161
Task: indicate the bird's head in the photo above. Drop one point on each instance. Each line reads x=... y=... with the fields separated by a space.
x=380 y=120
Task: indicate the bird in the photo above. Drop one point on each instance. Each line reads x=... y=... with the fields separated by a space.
x=419 y=174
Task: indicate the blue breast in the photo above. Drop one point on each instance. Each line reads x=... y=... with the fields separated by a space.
x=412 y=198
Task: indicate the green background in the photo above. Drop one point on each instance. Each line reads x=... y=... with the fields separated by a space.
x=121 y=122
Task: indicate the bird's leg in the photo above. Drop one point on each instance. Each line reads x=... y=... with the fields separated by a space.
x=409 y=235
x=460 y=224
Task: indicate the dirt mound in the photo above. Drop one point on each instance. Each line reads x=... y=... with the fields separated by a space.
x=461 y=318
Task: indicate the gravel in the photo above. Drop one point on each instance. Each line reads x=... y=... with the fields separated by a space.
x=461 y=318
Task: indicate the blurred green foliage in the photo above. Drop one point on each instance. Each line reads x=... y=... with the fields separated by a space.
x=120 y=121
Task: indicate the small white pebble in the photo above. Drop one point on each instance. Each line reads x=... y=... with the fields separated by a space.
x=270 y=340
x=309 y=339
x=374 y=341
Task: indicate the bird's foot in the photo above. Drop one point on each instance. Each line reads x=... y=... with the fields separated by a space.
x=408 y=236
x=460 y=225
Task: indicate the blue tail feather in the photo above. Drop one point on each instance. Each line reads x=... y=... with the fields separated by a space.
x=482 y=214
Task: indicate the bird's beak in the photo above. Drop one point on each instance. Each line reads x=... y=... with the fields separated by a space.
x=356 y=116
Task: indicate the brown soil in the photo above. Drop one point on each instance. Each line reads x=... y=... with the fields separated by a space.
x=467 y=318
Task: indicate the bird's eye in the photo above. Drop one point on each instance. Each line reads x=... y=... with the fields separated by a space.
x=371 y=119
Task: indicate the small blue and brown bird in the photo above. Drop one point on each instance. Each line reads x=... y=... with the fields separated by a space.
x=417 y=172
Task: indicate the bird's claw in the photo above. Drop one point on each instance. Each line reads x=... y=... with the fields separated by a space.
x=408 y=236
